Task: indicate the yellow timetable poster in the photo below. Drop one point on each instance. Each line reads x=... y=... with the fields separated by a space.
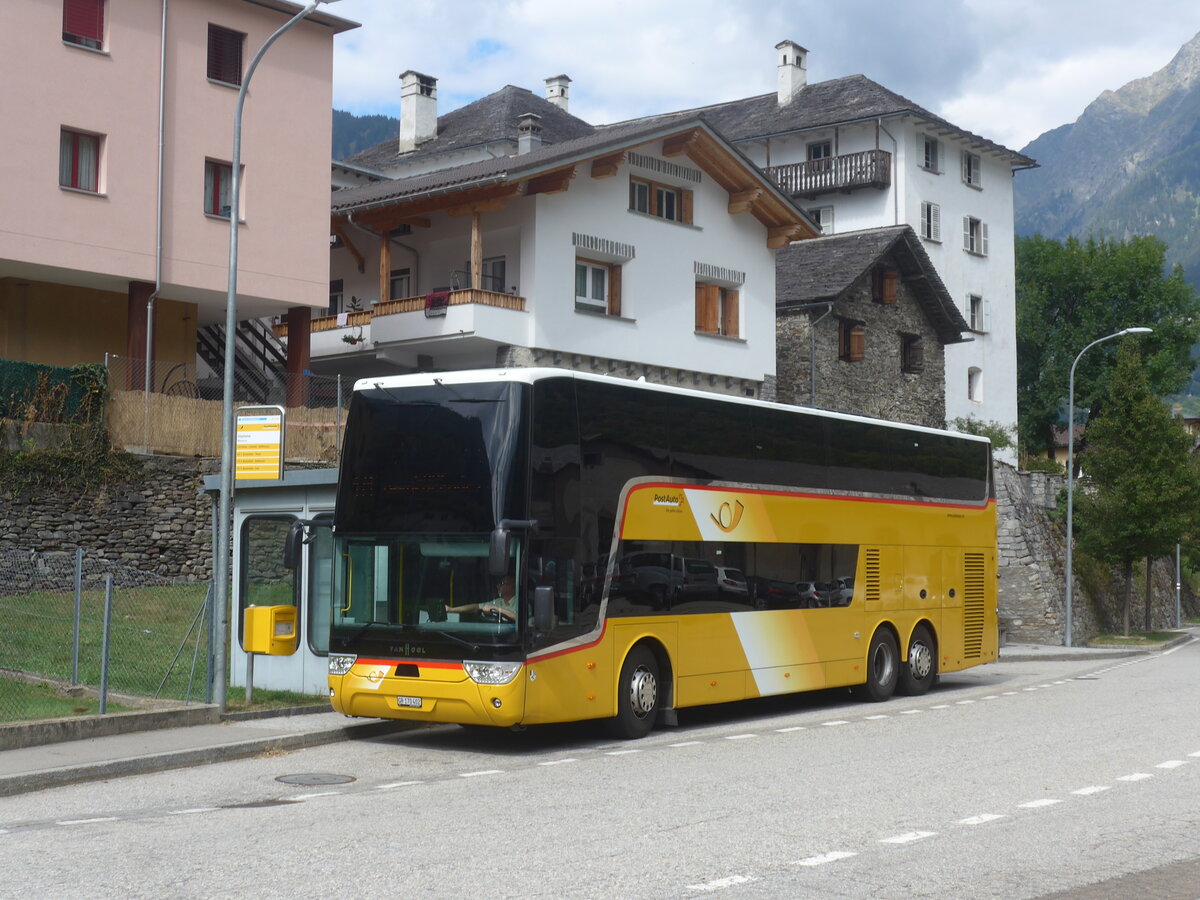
x=258 y=453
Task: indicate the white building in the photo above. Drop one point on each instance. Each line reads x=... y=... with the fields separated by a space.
x=856 y=155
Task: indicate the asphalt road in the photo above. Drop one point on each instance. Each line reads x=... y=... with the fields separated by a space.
x=1016 y=780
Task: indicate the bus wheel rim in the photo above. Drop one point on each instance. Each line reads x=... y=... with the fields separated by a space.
x=643 y=692
x=920 y=660
x=882 y=665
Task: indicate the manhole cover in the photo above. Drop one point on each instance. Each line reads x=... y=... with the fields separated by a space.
x=316 y=778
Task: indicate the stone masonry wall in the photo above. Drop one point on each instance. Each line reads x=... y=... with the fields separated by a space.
x=161 y=524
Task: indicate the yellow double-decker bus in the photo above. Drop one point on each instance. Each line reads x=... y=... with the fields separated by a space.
x=538 y=545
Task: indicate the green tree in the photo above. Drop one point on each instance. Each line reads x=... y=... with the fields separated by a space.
x=1141 y=489
x=1069 y=293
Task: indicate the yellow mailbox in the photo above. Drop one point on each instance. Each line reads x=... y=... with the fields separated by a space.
x=270 y=630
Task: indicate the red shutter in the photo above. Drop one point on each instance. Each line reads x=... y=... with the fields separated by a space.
x=84 y=19
x=224 y=55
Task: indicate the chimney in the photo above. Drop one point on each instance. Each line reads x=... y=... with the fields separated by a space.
x=793 y=75
x=418 y=110
x=529 y=133
x=556 y=91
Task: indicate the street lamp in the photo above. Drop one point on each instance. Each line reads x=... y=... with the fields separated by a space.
x=1071 y=466
x=221 y=557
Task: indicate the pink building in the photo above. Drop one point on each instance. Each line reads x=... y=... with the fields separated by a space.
x=98 y=215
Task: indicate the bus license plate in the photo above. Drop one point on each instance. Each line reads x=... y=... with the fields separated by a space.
x=414 y=702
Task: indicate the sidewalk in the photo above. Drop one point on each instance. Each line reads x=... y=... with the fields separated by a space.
x=134 y=743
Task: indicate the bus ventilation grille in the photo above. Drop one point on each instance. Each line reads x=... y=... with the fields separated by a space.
x=871 y=575
x=973 y=604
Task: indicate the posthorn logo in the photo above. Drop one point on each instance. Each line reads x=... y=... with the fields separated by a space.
x=728 y=515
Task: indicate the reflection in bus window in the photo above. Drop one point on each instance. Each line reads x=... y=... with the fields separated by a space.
x=264 y=581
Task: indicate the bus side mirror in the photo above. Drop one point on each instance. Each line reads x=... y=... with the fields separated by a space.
x=498 y=551
x=293 y=542
x=543 y=608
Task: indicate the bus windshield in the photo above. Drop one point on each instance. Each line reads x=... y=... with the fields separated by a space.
x=430 y=586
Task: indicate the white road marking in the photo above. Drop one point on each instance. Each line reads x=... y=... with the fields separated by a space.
x=941 y=706
x=980 y=819
x=824 y=858
x=836 y=722
x=1045 y=685
x=739 y=737
x=790 y=728
x=992 y=697
x=908 y=838
x=396 y=784
x=687 y=744
x=1009 y=694
x=879 y=716
x=910 y=712
x=300 y=797
x=1136 y=776
x=1093 y=789
x=192 y=811
x=1029 y=689
x=87 y=821
x=1197 y=753
x=721 y=883
x=1060 y=682
x=620 y=752
x=481 y=772
x=1036 y=804
x=1171 y=764
x=962 y=702
x=558 y=762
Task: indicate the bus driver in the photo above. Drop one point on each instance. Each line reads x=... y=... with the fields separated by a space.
x=503 y=608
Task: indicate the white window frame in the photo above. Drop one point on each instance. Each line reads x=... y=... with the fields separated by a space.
x=975 y=236
x=975 y=384
x=977 y=312
x=587 y=300
x=972 y=169
x=931 y=221
x=823 y=216
x=931 y=161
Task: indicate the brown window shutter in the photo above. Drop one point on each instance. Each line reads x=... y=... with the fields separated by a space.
x=729 y=314
x=685 y=207
x=857 y=343
x=707 y=303
x=877 y=284
x=889 y=285
x=614 y=290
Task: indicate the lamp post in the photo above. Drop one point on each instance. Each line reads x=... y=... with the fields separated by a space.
x=221 y=557
x=1071 y=468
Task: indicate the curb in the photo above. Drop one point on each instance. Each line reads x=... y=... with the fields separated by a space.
x=1084 y=653
x=18 y=735
x=180 y=759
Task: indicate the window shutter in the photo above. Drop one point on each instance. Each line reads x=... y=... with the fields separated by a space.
x=966 y=176
x=967 y=233
x=707 y=303
x=890 y=277
x=729 y=314
x=685 y=207
x=84 y=19
x=614 y=291
x=935 y=222
x=983 y=238
x=224 y=55
x=857 y=343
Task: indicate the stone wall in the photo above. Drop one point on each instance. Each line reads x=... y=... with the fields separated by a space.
x=875 y=385
x=162 y=524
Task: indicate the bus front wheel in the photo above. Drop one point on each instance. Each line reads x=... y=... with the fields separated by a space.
x=918 y=674
x=637 y=694
x=883 y=668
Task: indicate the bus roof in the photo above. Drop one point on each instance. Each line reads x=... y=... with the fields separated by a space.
x=532 y=374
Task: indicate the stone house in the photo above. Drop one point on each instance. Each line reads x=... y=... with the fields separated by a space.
x=863 y=320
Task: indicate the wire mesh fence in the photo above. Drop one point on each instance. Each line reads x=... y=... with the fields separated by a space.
x=181 y=413
x=52 y=618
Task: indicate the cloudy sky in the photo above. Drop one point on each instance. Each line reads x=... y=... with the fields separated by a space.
x=1009 y=71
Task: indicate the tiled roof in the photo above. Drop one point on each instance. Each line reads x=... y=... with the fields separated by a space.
x=488 y=119
x=823 y=269
x=827 y=103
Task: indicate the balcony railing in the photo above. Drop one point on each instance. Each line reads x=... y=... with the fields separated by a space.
x=410 y=304
x=848 y=172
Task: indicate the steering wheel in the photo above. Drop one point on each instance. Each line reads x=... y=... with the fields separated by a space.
x=492 y=615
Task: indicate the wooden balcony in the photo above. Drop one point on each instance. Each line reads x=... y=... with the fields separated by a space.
x=845 y=173
x=409 y=304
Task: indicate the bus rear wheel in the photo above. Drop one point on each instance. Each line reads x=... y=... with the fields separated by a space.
x=883 y=668
x=637 y=694
x=918 y=674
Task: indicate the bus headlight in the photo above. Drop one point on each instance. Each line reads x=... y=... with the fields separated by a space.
x=340 y=663
x=491 y=672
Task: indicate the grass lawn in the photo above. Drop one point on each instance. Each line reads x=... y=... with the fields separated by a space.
x=23 y=702
x=149 y=637
x=1135 y=639
x=235 y=699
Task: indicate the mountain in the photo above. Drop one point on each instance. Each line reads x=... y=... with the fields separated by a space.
x=353 y=133
x=1129 y=165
